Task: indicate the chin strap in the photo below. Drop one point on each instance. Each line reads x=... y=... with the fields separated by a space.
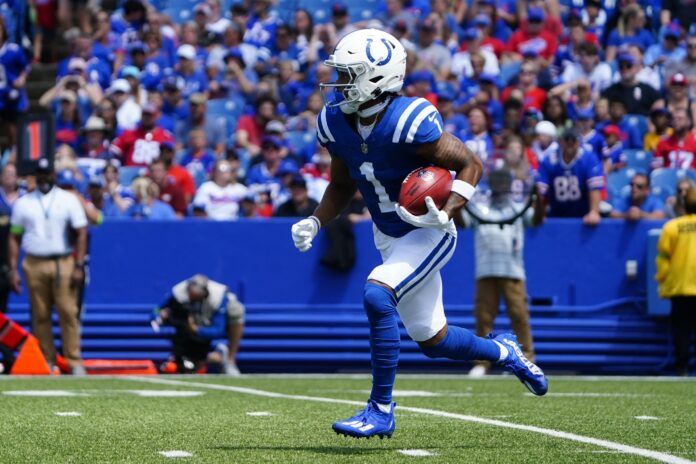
x=374 y=109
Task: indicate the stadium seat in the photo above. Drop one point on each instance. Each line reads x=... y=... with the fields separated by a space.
x=127 y=174
x=663 y=182
x=639 y=121
x=618 y=183
x=638 y=159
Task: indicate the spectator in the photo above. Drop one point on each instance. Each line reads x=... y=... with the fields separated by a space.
x=195 y=80
x=588 y=68
x=300 y=204
x=629 y=31
x=461 y=61
x=262 y=25
x=431 y=54
x=106 y=110
x=174 y=104
x=396 y=12
x=477 y=137
x=594 y=18
x=250 y=127
x=679 y=149
x=118 y=194
x=555 y=110
x=638 y=98
x=521 y=162
x=640 y=203
x=140 y=146
x=668 y=50
x=95 y=144
x=132 y=75
x=268 y=171
x=341 y=20
x=169 y=192
x=147 y=205
x=613 y=157
x=676 y=275
x=237 y=79
x=619 y=118
x=685 y=66
x=220 y=197
x=678 y=96
x=198 y=159
x=500 y=266
x=544 y=143
x=592 y=140
x=214 y=128
x=98 y=198
x=128 y=112
x=202 y=311
x=53 y=269
x=675 y=205
x=69 y=120
x=526 y=89
x=572 y=180
x=660 y=128
x=177 y=172
x=644 y=74
x=9 y=193
x=532 y=37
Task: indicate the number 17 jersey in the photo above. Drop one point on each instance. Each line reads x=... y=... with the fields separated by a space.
x=380 y=163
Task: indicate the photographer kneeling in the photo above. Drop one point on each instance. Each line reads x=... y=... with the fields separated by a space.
x=201 y=311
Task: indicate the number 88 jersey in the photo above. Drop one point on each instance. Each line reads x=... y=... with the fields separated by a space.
x=380 y=163
x=567 y=186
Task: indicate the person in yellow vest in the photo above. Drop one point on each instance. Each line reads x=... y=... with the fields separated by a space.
x=676 y=274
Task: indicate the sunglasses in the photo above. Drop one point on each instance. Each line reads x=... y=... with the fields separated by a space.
x=638 y=186
x=691 y=45
x=625 y=66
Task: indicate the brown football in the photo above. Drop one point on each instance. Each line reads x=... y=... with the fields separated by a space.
x=429 y=181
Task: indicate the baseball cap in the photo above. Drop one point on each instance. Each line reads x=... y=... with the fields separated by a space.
x=585 y=113
x=44 y=166
x=137 y=46
x=533 y=112
x=678 y=79
x=673 y=32
x=129 y=71
x=298 y=181
x=482 y=20
x=96 y=181
x=269 y=140
x=570 y=133
x=234 y=52
x=66 y=178
x=427 y=25
x=76 y=64
x=535 y=15
x=626 y=57
x=202 y=8
x=287 y=167
x=470 y=34
x=172 y=83
x=545 y=128
x=275 y=127
x=339 y=9
x=198 y=98
x=95 y=123
x=421 y=76
x=659 y=112
x=612 y=129
x=486 y=2
x=167 y=145
x=186 y=52
x=486 y=78
x=150 y=108
x=119 y=85
x=445 y=91
x=530 y=53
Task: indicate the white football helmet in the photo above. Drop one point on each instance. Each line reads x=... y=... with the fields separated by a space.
x=369 y=62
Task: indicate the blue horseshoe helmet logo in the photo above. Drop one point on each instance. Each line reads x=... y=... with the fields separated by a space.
x=372 y=59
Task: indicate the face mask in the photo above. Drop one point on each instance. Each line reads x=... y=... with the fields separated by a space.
x=45 y=186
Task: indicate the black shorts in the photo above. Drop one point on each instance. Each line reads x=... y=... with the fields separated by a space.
x=186 y=347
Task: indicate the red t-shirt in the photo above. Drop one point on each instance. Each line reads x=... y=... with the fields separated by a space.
x=544 y=44
x=494 y=45
x=533 y=98
x=251 y=126
x=139 y=147
x=173 y=196
x=183 y=179
x=674 y=153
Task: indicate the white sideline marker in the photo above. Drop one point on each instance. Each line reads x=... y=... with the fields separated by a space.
x=176 y=454
x=416 y=453
x=646 y=417
x=68 y=414
x=165 y=393
x=656 y=455
x=259 y=414
x=43 y=393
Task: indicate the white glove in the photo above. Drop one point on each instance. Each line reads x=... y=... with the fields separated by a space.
x=303 y=232
x=434 y=218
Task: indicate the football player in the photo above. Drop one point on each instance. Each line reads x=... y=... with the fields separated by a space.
x=376 y=137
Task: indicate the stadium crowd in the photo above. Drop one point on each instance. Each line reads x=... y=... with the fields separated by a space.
x=211 y=112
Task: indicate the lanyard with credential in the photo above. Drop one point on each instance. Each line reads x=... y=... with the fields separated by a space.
x=47 y=211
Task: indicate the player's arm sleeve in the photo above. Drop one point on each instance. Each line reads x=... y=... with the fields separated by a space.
x=324 y=134
x=543 y=180
x=219 y=323
x=664 y=253
x=595 y=176
x=419 y=124
x=78 y=218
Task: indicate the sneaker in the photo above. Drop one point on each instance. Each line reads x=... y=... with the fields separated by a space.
x=529 y=373
x=232 y=369
x=369 y=422
x=79 y=371
x=478 y=371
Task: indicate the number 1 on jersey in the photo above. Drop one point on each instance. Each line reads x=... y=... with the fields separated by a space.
x=386 y=205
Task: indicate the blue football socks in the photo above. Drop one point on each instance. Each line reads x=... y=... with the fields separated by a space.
x=380 y=306
x=463 y=345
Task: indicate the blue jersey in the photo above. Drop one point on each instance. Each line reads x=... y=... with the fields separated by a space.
x=13 y=62
x=380 y=163
x=593 y=142
x=567 y=186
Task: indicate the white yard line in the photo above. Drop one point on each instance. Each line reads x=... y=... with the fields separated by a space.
x=176 y=454
x=419 y=453
x=662 y=457
x=649 y=418
x=259 y=414
x=68 y=414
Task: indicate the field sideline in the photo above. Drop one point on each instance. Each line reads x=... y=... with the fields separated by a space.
x=287 y=418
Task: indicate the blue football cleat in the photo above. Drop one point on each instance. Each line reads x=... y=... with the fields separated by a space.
x=529 y=373
x=369 y=422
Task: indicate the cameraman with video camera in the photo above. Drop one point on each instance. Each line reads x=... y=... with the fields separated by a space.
x=201 y=311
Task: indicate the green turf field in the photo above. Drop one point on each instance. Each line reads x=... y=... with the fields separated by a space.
x=129 y=420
